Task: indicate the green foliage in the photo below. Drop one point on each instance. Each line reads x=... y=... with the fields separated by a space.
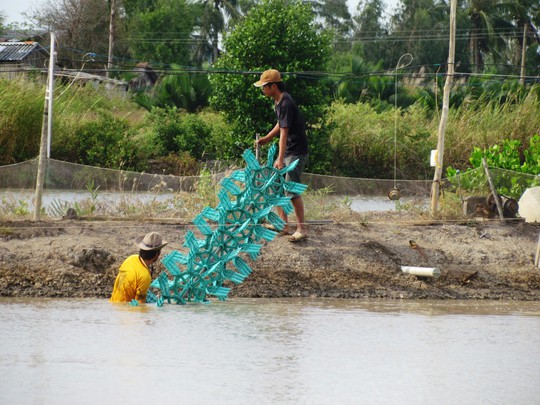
x=21 y=115
x=221 y=141
x=371 y=30
x=2 y=20
x=414 y=27
x=510 y=156
x=277 y=34
x=363 y=142
x=178 y=89
x=168 y=130
x=160 y=31
x=193 y=136
x=101 y=142
x=207 y=189
x=160 y=127
x=430 y=97
x=488 y=123
x=11 y=206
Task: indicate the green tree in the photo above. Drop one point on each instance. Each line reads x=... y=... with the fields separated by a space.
x=213 y=16
x=486 y=35
x=161 y=32
x=134 y=7
x=522 y=13
x=277 y=34
x=2 y=20
x=371 y=32
x=420 y=28
x=334 y=16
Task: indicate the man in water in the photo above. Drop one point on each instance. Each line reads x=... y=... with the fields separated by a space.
x=135 y=274
x=293 y=144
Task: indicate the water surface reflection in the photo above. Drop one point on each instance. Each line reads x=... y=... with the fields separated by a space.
x=270 y=351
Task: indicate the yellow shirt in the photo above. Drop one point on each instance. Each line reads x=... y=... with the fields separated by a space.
x=132 y=282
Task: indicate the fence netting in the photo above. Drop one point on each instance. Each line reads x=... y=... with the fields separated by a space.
x=71 y=176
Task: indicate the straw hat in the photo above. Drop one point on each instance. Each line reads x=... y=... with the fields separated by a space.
x=150 y=241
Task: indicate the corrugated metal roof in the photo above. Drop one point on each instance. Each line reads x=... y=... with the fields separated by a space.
x=16 y=51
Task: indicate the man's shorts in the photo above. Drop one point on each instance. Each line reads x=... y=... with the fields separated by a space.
x=295 y=174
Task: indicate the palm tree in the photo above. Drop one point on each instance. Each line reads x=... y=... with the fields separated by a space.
x=521 y=13
x=488 y=26
x=214 y=18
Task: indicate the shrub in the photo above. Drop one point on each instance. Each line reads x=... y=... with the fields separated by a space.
x=510 y=156
x=95 y=143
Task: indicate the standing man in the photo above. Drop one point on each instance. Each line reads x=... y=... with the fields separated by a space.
x=135 y=273
x=293 y=144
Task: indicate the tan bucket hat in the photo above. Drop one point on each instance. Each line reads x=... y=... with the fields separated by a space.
x=268 y=76
x=150 y=241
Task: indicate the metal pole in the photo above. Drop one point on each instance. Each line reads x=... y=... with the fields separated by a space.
x=435 y=188
x=45 y=136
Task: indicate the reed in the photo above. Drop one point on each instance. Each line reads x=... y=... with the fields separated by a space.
x=21 y=113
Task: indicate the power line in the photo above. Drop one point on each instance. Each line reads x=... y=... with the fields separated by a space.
x=313 y=75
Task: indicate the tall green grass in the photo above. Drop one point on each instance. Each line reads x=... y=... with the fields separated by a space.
x=21 y=115
x=470 y=126
x=365 y=142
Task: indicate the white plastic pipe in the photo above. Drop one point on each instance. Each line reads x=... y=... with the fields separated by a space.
x=421 y=271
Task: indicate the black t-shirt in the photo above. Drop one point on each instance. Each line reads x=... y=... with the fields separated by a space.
x=289 y=116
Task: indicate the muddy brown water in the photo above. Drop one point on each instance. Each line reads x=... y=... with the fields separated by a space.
x=246 y=351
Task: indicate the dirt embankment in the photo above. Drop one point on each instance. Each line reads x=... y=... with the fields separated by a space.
x=485 y=260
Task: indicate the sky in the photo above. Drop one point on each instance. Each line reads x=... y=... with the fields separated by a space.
x=13 y=9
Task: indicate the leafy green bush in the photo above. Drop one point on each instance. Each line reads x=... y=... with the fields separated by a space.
x=162 y=125
x=510 y=156
x=202 y=135
x=193 y=135
x=221 y=143
x=99 y=141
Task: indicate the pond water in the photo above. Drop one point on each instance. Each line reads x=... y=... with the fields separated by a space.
x=50 y=197
x=247 y=351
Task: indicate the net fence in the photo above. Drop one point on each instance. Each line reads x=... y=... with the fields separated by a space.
x=61 y=175
x=71 y=176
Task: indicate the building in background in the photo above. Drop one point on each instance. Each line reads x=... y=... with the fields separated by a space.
x=18 y=57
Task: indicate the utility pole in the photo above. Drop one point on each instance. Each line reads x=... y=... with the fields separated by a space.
x=523 y=55
x=435 y=188
x=46 y=133
x=111 y=38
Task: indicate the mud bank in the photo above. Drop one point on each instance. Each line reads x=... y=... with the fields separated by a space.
x=477 y=260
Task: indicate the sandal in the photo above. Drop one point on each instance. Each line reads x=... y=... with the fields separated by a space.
x=271 y=227
x=297 y=237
